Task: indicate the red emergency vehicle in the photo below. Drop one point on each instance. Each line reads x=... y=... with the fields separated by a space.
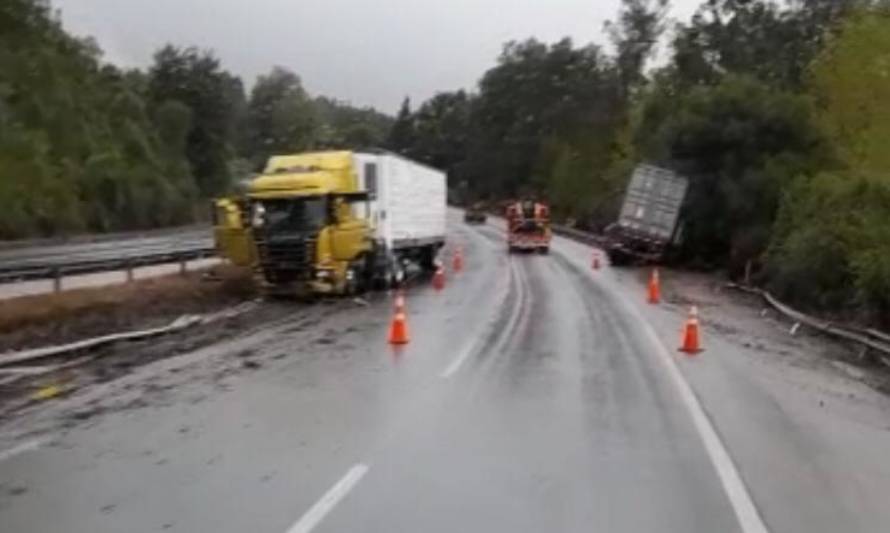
x=528 y=226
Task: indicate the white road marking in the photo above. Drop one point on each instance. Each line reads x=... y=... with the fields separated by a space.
x=458 y=361
x=746 y=512
x=331 y=498
x=20 y=449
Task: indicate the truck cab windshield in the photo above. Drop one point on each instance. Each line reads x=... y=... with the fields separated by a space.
x=285 y=216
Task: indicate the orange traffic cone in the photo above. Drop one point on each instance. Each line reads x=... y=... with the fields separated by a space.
x=439 y=278
x=654 y=287
x=457 y=263
x=398 y=329
x=690 y=342
x=596 y=261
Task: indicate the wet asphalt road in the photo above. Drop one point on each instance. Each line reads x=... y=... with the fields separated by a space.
x=530 y=399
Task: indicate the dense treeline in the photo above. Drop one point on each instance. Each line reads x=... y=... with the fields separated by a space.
x=778 y=113
x=88 y=147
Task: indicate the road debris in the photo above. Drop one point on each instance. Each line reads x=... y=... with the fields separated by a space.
x=48 y=392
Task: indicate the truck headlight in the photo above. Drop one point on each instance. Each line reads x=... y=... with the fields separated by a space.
x=258 y=216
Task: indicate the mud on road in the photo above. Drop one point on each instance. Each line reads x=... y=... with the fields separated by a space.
x=76 y=315
x=110 y=379
x=50 y=319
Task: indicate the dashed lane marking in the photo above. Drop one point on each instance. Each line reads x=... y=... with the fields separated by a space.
x=331 y=498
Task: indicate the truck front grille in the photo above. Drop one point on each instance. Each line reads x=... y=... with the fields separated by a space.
x=286 y=258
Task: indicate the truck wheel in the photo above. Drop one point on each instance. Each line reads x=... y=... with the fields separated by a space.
x=544 y=250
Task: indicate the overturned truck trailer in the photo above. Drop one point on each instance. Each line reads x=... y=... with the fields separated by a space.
x=648 y=222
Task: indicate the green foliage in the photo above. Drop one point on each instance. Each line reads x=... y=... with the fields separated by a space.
x=280 y=116
x=538 y=93
x=345 y=126
x=832 y=241
x=640 y=24
x=737 y=141
x=195 y=79
x=831 y=245
x=78 y=150
x=87 y=147
x=401 y=135
x=543 y=121
x=756 y=38
x=777 y=112
x=850 y=82
x=440 y=129
x=549 y=120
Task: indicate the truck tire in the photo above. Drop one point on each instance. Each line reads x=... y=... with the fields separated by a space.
x=544 y=250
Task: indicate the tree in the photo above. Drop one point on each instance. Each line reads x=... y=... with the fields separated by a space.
x=401 y=136
x=640 y=25
x=831 y=246
x=756 y=38
x=78 y=149
x=196 y=79
x=535 y=98
x=740 y=142
x=345 y=126
x=441 y=131
x=280 y=116
x=850 y=84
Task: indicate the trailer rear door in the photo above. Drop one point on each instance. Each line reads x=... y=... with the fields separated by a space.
x=652 y=203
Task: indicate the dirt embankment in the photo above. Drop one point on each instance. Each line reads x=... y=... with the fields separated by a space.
x=748 y=322
x=40 y=320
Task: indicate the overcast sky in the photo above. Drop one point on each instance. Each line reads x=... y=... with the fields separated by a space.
x=364 y=51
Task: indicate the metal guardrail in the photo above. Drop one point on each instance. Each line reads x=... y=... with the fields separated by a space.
x=869 y=339
x=56 y=262
x=29 y=273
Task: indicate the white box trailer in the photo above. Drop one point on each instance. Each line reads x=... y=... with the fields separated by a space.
x=408 y=201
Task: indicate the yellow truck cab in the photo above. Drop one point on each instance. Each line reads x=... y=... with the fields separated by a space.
x=318 y=222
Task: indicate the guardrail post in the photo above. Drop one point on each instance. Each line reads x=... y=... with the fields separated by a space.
x=129 y=269
x=57 y=280
x=183 y=267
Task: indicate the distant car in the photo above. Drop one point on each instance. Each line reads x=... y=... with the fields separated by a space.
x=475 y=214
